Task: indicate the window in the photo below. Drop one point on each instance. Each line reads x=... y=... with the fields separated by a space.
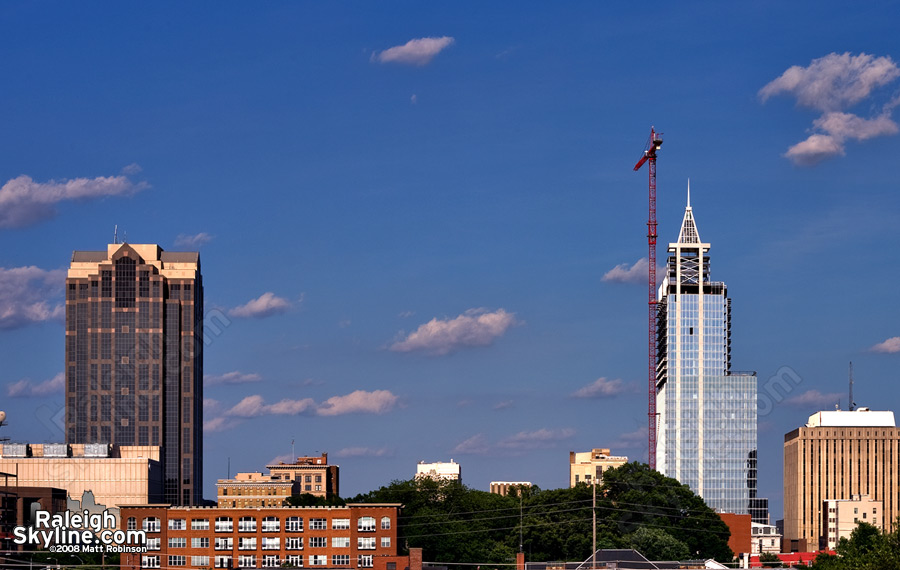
x=270 y=561
x=224 y=543
x=247 y=561
x=149 y=561
x=318 y=478
x=318 y=487
x=318 y=560
x=153 y=543
x=385 y=542
x=385 y=523
x=365 y=543
x=340 y=524
x=340 y=559
x=247 y=524
x=365 y=524
x=391 y=566
x=293 y=543
x=318 y=541
x=223 y=562
x=151 y=524
x=340 y=542
x=364 y=561
x=224 y=524
x=271 y=524
x=179 y=542
x=199 y=560
x=247 y=543
x=177 y=560
x=132 y=524
x=318 y=524
x=309 y=478
x=295 y=560
x=200 y=542
x=271 y=543
x=199 y=524
x=176 y=524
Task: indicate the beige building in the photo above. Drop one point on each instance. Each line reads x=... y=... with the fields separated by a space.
x=503 y=487
x=117 y=476
x=841 y=516
x=315 y=475
x=835 y=456
x=439 y=470
x=765 y=538
x=588 y=467
x=256 y=490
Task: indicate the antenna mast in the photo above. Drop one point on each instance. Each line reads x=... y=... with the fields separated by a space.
x=852 y=403
x=653 y=144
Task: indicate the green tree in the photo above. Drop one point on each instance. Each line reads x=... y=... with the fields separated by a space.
x=769 y=560
x=310 y=500
x=657 y=544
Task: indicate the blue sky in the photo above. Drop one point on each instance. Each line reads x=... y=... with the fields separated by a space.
x=408 y=215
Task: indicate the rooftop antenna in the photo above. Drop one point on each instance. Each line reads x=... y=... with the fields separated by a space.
x=852 y=403
x=116 y=234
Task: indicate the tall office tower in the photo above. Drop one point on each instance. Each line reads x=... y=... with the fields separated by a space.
x=707 y=413
x=134 y=357
x=836 y=456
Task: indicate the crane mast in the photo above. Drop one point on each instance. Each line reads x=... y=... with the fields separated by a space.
x=649 y=156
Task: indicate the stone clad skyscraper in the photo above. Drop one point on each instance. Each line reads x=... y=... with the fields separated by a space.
x=707 y=413
x=134 y=357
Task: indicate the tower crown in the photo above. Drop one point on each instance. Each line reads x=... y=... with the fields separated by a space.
x=688 y=233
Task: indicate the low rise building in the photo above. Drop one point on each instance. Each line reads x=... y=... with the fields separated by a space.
x=588 y=467
x=256 y=490
x=439 y=470
x=503 y=487
x=353 y=536
x=841 y=516
x=315 y=475
x=766 y=538
x=117 y=475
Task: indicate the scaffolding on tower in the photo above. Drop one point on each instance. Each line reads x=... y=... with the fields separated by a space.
x=649 y=156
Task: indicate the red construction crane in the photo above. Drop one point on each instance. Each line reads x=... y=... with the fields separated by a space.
x=653 y=144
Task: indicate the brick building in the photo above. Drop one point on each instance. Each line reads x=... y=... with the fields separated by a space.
x=354 y=536
x=314 y=473
x=256 y=490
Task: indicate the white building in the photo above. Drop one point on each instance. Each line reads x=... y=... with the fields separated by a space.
x=841 y=516
x=439 y=471
x=764 y=538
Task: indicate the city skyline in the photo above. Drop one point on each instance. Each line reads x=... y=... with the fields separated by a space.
x=421 y=235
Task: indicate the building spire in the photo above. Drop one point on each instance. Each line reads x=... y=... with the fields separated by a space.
x=688 y=233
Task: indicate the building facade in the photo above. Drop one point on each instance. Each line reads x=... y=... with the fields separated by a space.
x=766 y=538
x=588 y=467
x=840 y=517
x=836 y=456
x=439 y=470
x=707 y=412
x=354 y=536
x=504 y=487
x=314 y=474
x=256 y=490
x=134 y=357
x=115 y=475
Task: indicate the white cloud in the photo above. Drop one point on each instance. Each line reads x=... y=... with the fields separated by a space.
x=813 y=399
x=24 y=202
x=24 y=295
x=475 y=445
x=25 y=387
x=832 y=84
x=360 y=401
x=254 y=406
x=601 y=388
x=635 y=273
x=534 y=439
x=890 y=346
x=365 y=452
x=504 y=405
x=265 y=305
x=234 y=377
x=475 y=327
x=414 y=52
x=217 y=424
x=193 y=241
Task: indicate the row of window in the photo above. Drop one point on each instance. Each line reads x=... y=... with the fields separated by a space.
x=251 y=561
x=269 y=524
x=270 y=543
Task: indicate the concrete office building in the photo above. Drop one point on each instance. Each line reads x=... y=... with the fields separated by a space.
x=588 y=467
x=134 y=357
x=504 y=487
x=315 y=475
x=256 y=490
x=116 y=475
x=707 y=412
x=838 y=455
x=353 y=536
x=439 y=470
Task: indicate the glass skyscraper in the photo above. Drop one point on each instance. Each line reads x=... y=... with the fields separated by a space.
x=707 y=413
x=134 y=357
